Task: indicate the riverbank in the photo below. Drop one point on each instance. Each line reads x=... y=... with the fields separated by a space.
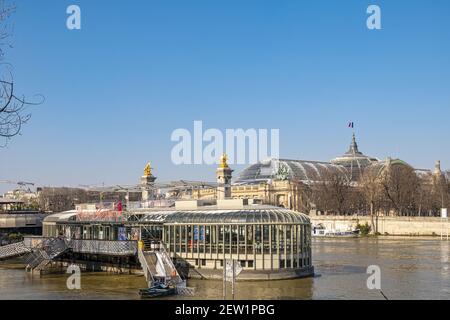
x=392 y=226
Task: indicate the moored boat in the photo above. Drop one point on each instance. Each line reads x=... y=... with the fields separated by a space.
x=321 y=231
x=157 y=291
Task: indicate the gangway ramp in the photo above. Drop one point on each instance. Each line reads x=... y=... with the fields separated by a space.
x=157 y=266
x=13 y=250
x=45 y=253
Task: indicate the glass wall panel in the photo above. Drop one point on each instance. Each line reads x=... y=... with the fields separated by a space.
x=234 y=238
x=266 y=238
x=281 y=239
x=241 y=239
x=190 y=237
x=183 y=239
x=177 y=238
x=227 y=238
x=288 y=241
x=258 y=239
x=221 y=239
x=208 y=239
x=274 y=238
x=249 y=239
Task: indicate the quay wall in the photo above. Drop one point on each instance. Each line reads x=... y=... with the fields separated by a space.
x=395 y=226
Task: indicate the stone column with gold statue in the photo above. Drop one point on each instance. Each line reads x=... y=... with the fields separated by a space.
x=147 y=183
x=223 y=175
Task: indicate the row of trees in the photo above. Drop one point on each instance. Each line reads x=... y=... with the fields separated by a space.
x=64 y=199
x=396 y=190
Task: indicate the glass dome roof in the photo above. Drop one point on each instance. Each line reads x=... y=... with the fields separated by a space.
x=242 y=216
x=301 y=170
x=354 y=160
x=351 y=164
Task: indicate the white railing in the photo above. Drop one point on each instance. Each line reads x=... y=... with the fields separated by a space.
x=174 y=275
x=143 y=261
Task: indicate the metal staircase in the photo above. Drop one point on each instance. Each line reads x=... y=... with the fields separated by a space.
x=158 y=266
x=169 y=267
x=41 y=256
x=13 y=250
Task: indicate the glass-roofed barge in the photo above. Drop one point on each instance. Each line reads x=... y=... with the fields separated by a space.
x=268 y=242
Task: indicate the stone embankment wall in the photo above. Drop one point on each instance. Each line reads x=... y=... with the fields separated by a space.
x=396 y=226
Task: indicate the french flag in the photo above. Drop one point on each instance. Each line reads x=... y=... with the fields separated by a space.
x=351 y=124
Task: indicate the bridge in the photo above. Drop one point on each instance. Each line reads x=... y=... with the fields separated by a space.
x=13 y=250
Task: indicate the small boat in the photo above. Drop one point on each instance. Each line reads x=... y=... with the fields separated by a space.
x=156 y=291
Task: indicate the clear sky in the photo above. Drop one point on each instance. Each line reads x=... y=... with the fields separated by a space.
x=137 y=70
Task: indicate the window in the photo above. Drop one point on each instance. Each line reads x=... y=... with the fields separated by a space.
x=250 y=264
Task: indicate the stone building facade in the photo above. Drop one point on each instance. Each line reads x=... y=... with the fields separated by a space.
x=289 y=183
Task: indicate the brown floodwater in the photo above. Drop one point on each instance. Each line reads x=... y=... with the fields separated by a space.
x=411 y=268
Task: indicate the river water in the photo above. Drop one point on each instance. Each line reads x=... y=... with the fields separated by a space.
x=411 y=268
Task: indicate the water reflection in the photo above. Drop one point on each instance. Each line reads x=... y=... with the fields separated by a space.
x=445 y=248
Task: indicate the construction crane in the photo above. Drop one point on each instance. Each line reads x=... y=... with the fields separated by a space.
x=21 y=184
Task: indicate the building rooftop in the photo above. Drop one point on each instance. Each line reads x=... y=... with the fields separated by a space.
x=283 y=169
x=10 y=201
x=246 y=215
x=351 y=164
x=227 y=211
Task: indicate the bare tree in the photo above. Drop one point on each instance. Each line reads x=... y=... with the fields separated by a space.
x=400 y=186
x=334 y=193
x=439 y=196
x=372 y=193
x=13 y=113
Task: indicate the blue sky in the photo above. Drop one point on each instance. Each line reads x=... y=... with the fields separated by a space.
x=138 y=70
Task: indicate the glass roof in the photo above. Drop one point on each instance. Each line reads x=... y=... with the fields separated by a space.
x=379 y=167
x=305 y=171
x=241 y=216
x=351 y=164
x=354 y=160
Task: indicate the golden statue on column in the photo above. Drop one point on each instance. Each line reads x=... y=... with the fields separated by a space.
x=224 y=161
x=148 y=170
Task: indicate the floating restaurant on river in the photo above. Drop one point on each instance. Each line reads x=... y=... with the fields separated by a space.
x=198 y=236
x=268 y=242
x=171 y=241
